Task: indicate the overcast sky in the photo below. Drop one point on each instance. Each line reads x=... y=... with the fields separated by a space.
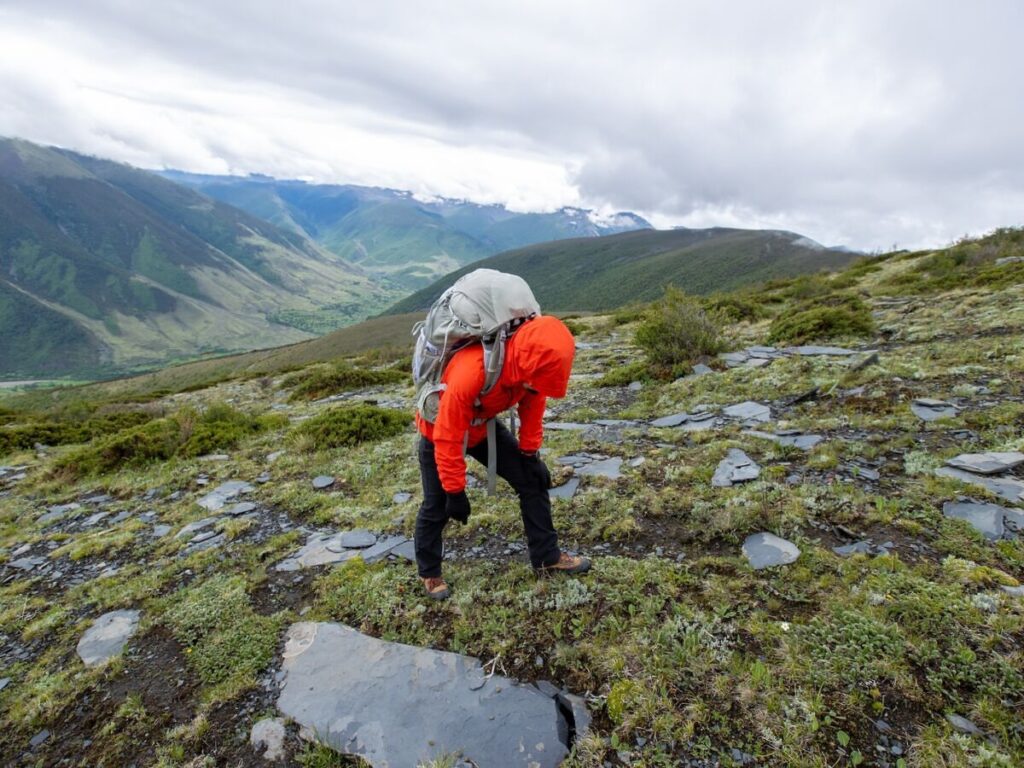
x=862 y=123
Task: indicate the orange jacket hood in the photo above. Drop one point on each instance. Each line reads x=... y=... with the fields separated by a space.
x=540 y=355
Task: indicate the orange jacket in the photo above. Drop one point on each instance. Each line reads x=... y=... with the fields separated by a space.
x=539 y=355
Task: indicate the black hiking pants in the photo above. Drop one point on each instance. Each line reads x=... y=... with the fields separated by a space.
x=534 y=504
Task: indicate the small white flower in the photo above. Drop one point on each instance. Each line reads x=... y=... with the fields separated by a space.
x=784 y=625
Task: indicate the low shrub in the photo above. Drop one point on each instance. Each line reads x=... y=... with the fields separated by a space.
x=624 y=375
x=352 y=424
x=737 y=307
x=187 y=433
x=832 y=317
x=22 y=433
x=323 y=380
x=675 y=332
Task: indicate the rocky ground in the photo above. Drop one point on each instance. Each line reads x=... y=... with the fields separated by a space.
x=802 y=556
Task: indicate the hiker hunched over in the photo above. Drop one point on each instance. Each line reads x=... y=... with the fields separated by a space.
x=483 y=349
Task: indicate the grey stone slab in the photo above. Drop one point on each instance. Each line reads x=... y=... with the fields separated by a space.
x=987 y=519
x=202 y=536
x=635 y=386
x=267 y=738
x=207 y=542
x=761 y=349
x=1017 y=591
x=106 y=638
x=222 y=494
x=963 y=725
x=1007 y=488
x=241 y=508
x=758 y=362
x=609 y=468
x=801 y=441
x=38 y=739
x=26 y=563
x=159 y=531
x=194 y=527
x=671 y=421
x=357 y=539
x=397 y=705
x=326 y=549
x=766 y=550
x=736 y=467
x=401 y=497
x=406 y=550
x=4 y=682
x=748 y=411
x=566 y=490
x=813 y=351
x=321 y=482
x=566 y=426
x=990 y=463
x=701 y=370
x=92 y=520
x=927 y=412
x=733 y=359
x=857 y=548
x=574 y=460
x=1008 y=260
x=384 y=547
x=615 y=422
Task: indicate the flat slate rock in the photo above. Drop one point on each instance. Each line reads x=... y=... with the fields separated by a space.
x=357 y=539
x=990 y=520
x=813 y=351
x=397 y=705
x=991 y=463
x=963 y=725
x=566 y=490
x=222 y=494
x=322 y=481
x=749 y=411
x=736 y=467
x=241 y=508
x=606 y=468
x=267 y=738
x=106 y=638
x=26 y=563
x=801 y=441
x=671 y=421
x=765 y=550
x=927 y=409
x=195 y=527
x=1007 y=488
x=326 y=549
x=401 y=497
x=701 y=370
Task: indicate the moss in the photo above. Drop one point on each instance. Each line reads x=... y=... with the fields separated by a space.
x=225 y=640
x=624 y=375
x=323 y=380
x=848 y=649
x=836 y=317
x=351 y=425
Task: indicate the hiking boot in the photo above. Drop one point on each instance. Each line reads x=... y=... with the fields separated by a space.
x=437 y=588
x=566 y=563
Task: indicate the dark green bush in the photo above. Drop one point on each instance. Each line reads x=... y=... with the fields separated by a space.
x=187 y=433
x=21 y=433
x=737 y=307
x=352 y=424
x=675 y=332
x=832 y=317
x=323 y=380
x=624 y=375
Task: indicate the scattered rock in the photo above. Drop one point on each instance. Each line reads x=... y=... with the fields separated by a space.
x=320 y=482
x=1008 y=488
x=864 y=361
x=671 y=421
x=748 y=411
x=765 y=550
x=38 y=739
x=4 y=682
x=796 y=439
x=222 y=494
x=991 y=463
x=267 y=738
x=567 y=490
x=1008 y=260
x=356 y=693
x=327 y=549
x=963 y=725
x=635 y=386
x=401 y=497
x=607 y=468
x=987 y=519
x=357 y=539
x=26 y=563
x=107 y=636
x=736 y=467
x=701 y=370
x=813 y=351
x=928 y=409
x=241 y=508
x=194 y=527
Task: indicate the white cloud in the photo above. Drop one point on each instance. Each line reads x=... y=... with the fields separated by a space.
x=864 y=123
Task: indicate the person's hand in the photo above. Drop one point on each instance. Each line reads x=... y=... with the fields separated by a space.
x=457 y=507
x=534 y=467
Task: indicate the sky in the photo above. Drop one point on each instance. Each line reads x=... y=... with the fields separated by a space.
x=862 y=123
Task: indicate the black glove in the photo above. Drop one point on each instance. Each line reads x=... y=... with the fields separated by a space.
x=535 y=468
x=457 y=507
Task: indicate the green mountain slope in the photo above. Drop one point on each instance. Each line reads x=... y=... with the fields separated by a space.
x=392 y=234
x=104 y=268
x=608 y=272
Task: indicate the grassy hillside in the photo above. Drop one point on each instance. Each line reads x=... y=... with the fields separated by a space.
x=390 y=233
x=892 y=637
x=127 y=269
x=601 y=274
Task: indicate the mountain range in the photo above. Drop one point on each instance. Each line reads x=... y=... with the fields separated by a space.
x=104 y=267
x=587 y=274
x=392 y=234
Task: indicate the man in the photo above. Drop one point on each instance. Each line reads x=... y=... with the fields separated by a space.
x=538 y=361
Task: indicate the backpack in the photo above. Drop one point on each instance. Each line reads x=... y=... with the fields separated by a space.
x=483 y=307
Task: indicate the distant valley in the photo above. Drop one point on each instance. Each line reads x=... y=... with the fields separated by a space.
x=392 y=234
